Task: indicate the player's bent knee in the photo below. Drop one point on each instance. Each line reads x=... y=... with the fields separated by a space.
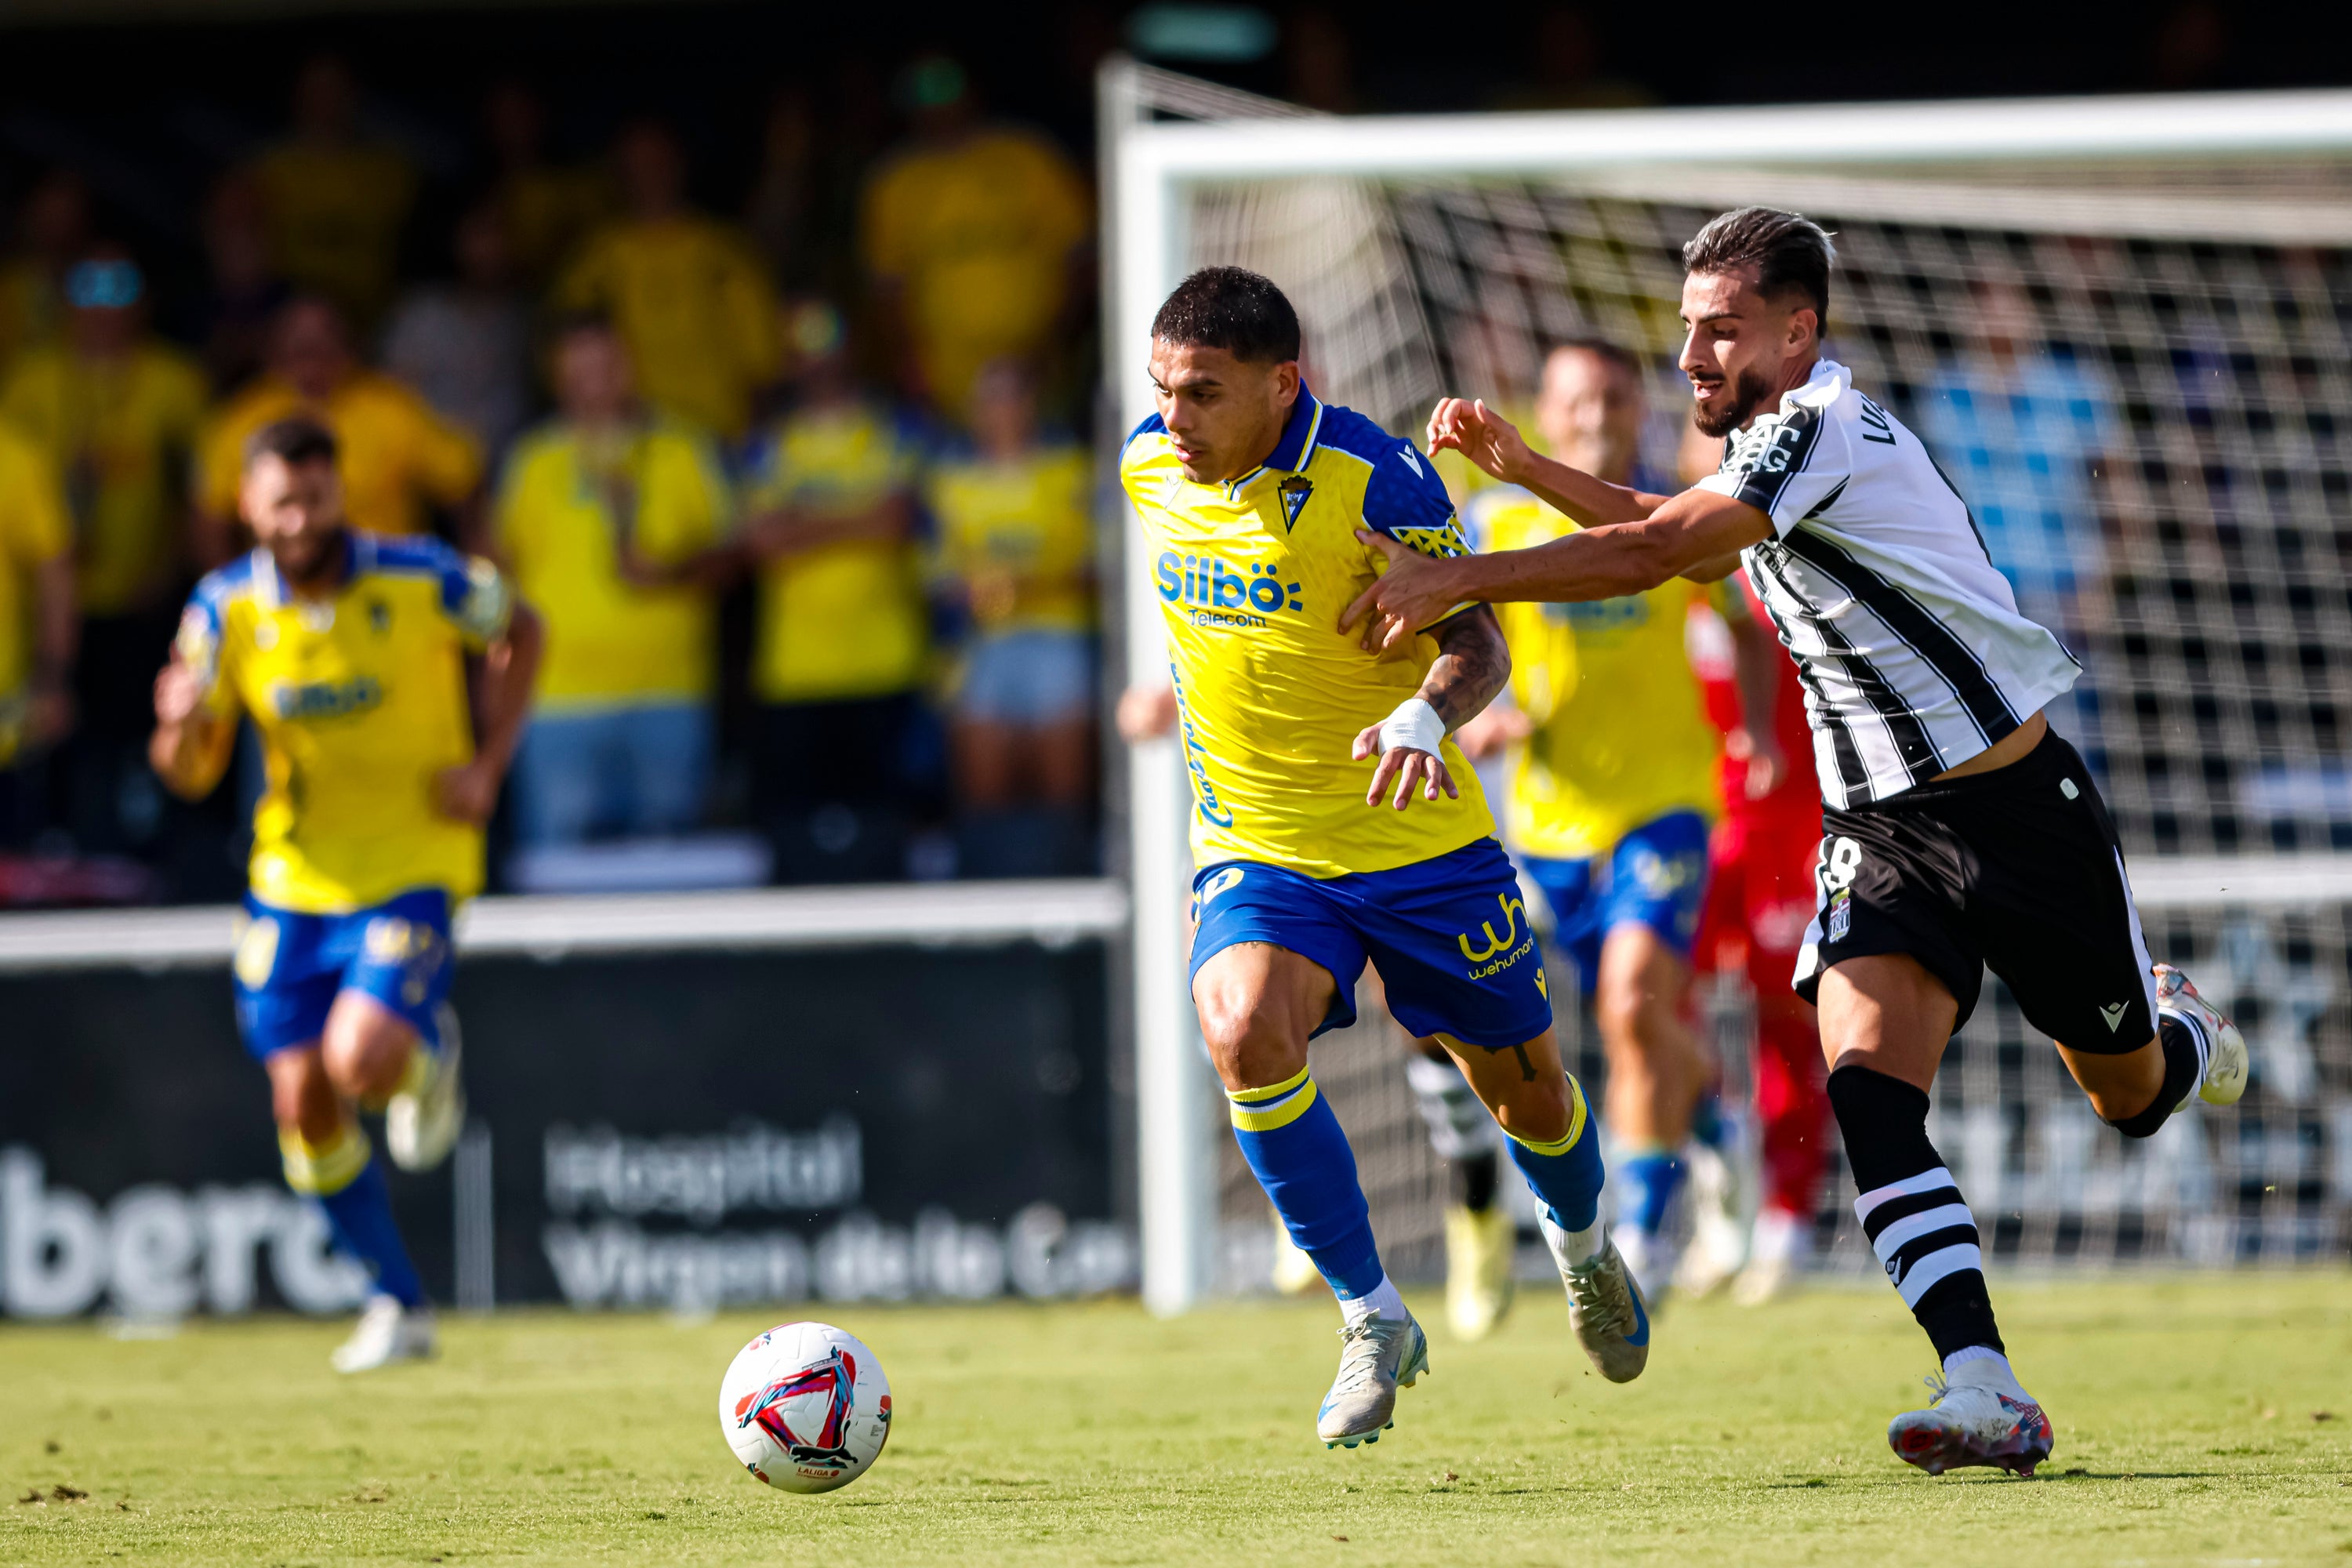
x=365 y=1048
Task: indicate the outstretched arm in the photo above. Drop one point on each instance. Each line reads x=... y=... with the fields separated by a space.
x=1494 y=442
x=1472 y=662
x=1697 y=529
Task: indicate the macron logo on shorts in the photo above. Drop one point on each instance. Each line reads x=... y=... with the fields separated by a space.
x=2113 y=1016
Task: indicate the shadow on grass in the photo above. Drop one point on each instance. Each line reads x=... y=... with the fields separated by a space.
x=1992 y=1475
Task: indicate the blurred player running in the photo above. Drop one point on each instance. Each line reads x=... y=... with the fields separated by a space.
x=1252 y=495
x=1759 y=899
x=1613 y=788
x=350 y=653
x=1959 y=832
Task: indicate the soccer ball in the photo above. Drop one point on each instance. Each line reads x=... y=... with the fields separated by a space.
x=806 y=1407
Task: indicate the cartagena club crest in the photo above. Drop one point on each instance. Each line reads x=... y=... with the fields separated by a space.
x=835 y=1378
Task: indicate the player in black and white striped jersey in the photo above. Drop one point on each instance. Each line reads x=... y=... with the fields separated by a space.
x=1959 y=831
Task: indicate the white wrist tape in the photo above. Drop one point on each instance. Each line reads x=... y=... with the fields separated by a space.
x=1415 y=726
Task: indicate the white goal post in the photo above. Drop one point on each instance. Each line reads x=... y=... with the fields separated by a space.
x=1166 y=141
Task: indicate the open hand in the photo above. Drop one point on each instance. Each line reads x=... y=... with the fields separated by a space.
x=1406 y=768
x=1468 y=426
x=179 y=692
x=1409 y=595
x=1146 y=713
x=468 y=793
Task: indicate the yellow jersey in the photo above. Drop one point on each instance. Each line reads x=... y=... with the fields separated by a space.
x=334 y=216
x=359 y=701
x=979 y=234
x=119 y=434
x=1019 y=537
x=1252 y=575
x=396 y=453
x=562 y=507
x=695 y=307
x=33 y=531
x=1621 y=735
x=848 y=619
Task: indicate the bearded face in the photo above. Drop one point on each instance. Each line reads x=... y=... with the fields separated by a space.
x=1716 y=414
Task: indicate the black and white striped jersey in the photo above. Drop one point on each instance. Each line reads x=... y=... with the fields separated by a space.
x=1907 y=639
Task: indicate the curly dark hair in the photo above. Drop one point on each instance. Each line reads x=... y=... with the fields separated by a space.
x=1230 y=308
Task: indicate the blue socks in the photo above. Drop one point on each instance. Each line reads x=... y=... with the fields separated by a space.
x=1565 y=1173
x=1647 y=1183
x=1294 y=1146
x=343 y=1177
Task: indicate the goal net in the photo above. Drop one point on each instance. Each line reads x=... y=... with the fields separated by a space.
x=2120 y=328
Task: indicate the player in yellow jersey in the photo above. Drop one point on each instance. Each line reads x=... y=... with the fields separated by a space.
x=1313 y=857
x=350 y=653
x=1613 y=788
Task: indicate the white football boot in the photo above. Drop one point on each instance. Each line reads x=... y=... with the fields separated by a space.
x=2224 y=1079
x=1605 y=1309
x=419 y=1129
x=1480 y=1248
x=1377 y=1357
x=387 y=1332
x=1980 y=1417
x=1650 y=1257
x=1722 y=1198
x=1776 y=1259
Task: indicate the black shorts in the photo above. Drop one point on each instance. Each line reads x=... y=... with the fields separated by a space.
x=2017 y=869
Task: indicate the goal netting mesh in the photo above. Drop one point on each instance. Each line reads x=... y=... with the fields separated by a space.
x=2140 y=374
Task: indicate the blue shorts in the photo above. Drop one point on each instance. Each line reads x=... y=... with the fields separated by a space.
x=290 y=967
x=1450 y=937
x=1656 y=876
x=1030 y=678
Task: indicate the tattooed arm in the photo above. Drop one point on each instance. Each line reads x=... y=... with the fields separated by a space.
x=1473 y=663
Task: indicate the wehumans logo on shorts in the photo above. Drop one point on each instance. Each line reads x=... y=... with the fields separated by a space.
x=1512 y=910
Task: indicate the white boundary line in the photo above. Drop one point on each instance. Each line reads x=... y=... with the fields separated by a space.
x=921 y=915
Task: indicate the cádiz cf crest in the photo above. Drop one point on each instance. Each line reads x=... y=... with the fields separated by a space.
x=1294 y=491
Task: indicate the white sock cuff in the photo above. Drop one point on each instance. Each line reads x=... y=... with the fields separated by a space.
x=1570 y=1247
x=1960 y=1358
x=1383 y=1299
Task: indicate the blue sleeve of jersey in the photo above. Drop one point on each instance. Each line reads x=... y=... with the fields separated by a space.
x=202 y=624
x=473 y=592
x=1152 y=424
x=1405 y=500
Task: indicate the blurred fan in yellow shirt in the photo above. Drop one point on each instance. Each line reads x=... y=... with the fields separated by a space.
x=609 y=518
x=687 y=292
x=116 y=414
x=843 y=640
x=37 y=626
x=335 y=202
x=975 y=235
x=1015 y=551
x=398 y=457
x=52 y=228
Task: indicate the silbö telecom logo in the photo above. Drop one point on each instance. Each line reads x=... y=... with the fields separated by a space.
x=1220 y=596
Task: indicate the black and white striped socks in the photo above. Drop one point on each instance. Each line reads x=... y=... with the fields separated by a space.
x=1912 y=1210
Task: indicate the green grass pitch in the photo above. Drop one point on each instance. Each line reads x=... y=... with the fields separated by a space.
x=2202 y=1419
